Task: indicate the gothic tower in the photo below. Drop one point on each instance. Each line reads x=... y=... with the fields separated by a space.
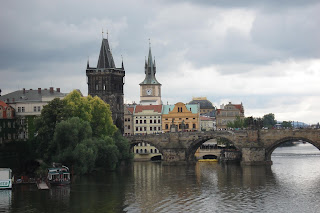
x=106 y=81
x=150 y=88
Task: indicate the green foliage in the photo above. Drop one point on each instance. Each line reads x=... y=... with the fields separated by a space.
x=269 y=120
x=94 y=110
x=237 y=123
x=286 y=124
x=79 y=132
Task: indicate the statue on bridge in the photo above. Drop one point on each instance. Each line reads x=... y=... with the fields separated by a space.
x=255 y=123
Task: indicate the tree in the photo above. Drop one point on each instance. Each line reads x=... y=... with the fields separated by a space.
x=237 y=123
x=93 y=110
x=269 y=120
x=286 y=124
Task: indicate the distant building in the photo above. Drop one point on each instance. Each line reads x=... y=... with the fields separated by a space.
x=147 y=119
x=206 y=107
x=150 y=88
x=8 y=130
x=146 y=152
x=228 y=113
x=128 y=120
x=28 y=104
x=207 y=123
x=183 y=117
x=106 y=81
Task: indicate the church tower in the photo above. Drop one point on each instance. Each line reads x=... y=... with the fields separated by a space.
x=106 y=81
x=150 y=88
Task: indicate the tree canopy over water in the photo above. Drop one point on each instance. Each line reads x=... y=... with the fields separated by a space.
x=79 y=132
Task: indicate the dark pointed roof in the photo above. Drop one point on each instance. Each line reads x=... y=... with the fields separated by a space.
x=105 y=57
x=150 y=70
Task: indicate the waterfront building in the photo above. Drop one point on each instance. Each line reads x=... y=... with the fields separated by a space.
x=146 y=152
x=207 y=123
x=27 y=104
x=150 y=88
x=128 y=120
x=106 y=81
x=228 y=113
x=181 y=117
x=206 y=107
x=208 y=150
x=8 y=130
x=147 y=119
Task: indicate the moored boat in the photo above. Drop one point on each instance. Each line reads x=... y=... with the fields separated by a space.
x=208 y=160
x=59 y=175
x=6 y=178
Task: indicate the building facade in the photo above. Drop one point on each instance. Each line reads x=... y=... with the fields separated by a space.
x=28 y=104
x=228 y=113
x=150 y=88
x=106 y=81
x=147 y=119
x=8 y=129
x=207 y=123
x=128 y=120
x=182 y=117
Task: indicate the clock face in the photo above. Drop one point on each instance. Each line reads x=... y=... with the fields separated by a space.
x=149 y=91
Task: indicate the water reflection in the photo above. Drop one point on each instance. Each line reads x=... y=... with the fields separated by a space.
x=5 y=200
x=291 y=184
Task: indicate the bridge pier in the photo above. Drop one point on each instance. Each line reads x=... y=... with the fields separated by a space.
x=174 y=156
x=254 y=156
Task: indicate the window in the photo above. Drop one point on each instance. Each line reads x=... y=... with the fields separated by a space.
x=39 y=108
x=167 y=126
x=128 y=119
x=34 y=109
x=145 y=128
x=155 y=121
x=151 y=150
x=159 y=121
x=145 y=121
x=140 y=150
x=155 y=150
x=140 y=128
x=155 y=128
x=9 y=124
x=137 y=151
x=194 y=126
x=141 y=121
x=145 y=151
x=137 y=129
x=125 y=120
x=22 y=109
x=128 y=126
x=187 y=118
x=159 y=128
x=150 y=128
x=19 y=109
x=136 y=121
x=151 y=121
x=97 y=87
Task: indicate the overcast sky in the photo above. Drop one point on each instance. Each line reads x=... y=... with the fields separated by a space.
x=265 y=54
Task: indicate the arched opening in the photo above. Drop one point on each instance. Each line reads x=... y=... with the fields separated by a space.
x=212 y=148
x=292 y=143
x=145 y=151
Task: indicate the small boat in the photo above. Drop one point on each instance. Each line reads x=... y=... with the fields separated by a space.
x=208 y=160
x=59 y=175
x=6 y=178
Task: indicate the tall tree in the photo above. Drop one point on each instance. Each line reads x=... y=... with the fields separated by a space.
x=269 y=120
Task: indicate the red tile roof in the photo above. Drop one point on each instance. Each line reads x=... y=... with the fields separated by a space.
x=130 y=109
x=155 y=108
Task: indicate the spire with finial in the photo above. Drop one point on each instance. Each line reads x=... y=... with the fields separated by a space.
x=102 y=33
x=122 y=62
x=150 y=69
x=88 y=63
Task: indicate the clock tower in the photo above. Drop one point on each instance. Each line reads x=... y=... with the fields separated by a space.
x=150 y=88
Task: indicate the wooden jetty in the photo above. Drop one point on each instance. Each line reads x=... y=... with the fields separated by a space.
x=42 y=185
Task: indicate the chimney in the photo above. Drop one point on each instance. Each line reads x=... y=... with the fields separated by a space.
x=24 y=90
x=51 y=89
x=39 y=90
x=58 y=89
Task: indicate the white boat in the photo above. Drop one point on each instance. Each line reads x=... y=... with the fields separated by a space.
x=6 y=178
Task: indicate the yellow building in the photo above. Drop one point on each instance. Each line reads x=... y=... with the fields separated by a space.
x=185 y=117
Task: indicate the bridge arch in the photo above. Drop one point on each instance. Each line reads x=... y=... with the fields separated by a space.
x=190 y=152
x=135 y=143
x=276 y=144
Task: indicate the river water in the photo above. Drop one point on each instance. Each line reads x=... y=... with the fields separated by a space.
x=291 y=184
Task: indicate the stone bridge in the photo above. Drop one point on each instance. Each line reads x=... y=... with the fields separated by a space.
x=256 y=146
